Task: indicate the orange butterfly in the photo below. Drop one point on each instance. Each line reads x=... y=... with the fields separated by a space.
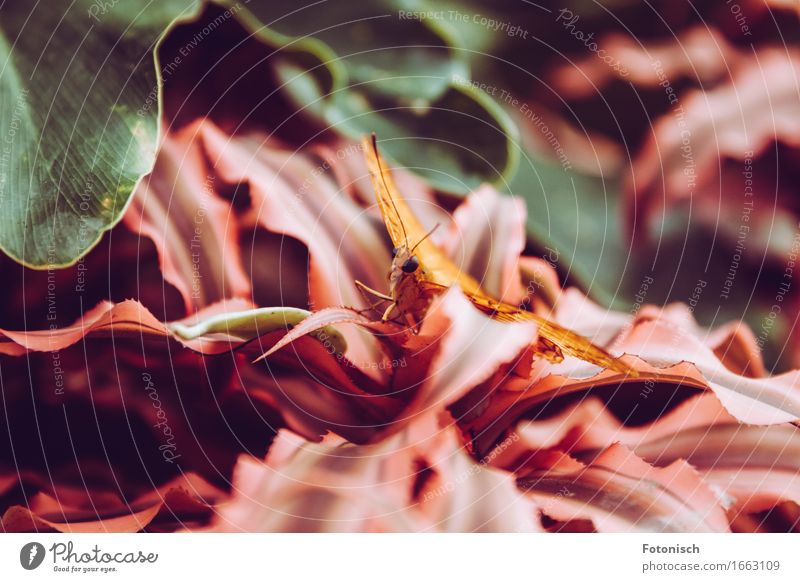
x=420 y=270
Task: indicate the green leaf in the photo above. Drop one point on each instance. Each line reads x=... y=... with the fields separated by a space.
x=393 y=75
x=368 y=41
x=456 y=142
x=79 y=119
x=252 y=323
x=576 y=215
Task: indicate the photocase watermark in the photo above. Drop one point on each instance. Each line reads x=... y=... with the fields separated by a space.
x=492 y=24
x=333 y=347
x=678 y=333
x=100 y=8
x=638 y=300
x=386 y=364
x=547 y=134
x=641 y=294
x=569 y=20
x=550 y=258
x=664 y=82
x=694 y=298
x=744 y=227
x=196 y=241
x=325 y=166
x=168 y=69
x=168 y=448
x=309 y=186
x=84 y=206
x=562 y=492
x=525 y=109
x=740 y=17
x=67 y=558
x=647 y=388
x=328 y=343
x=14 y=126
x=684 y=133
x=784 y=285
x=31 y=555
x=450 y=485
x=52 y=319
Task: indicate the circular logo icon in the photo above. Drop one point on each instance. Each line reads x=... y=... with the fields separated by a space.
x=31 y=555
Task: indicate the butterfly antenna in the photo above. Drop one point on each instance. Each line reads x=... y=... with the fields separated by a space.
x=383 y=178
x=430 y=232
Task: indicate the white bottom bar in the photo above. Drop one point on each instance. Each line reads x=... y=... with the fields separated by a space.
x=402 y=557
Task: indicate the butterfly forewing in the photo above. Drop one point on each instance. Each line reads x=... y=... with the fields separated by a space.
x=397 y=225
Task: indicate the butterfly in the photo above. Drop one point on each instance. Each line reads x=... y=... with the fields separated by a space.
x=420 y=271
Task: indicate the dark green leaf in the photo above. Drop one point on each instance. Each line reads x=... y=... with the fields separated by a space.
x=394 y=75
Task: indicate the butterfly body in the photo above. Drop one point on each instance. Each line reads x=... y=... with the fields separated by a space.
x=410 y=297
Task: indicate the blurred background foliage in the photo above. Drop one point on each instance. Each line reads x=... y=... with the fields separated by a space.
x=515 y=93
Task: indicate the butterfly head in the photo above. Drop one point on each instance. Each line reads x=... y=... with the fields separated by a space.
x=404 y=264
x=404 y=260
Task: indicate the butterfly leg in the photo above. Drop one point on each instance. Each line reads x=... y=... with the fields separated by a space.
x=412 y=323
x=372 y=291
x=388 y=311
x=548 y=350
x=373 y=305
x=368 y=292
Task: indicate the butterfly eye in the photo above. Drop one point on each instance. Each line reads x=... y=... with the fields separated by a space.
x=395 y=250
x=411 y=265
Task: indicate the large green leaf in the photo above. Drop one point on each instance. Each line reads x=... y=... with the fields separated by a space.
x=80 y=103
x=79 y=119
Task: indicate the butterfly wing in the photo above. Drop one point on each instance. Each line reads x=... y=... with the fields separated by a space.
x=439 y=271
x=398 y=223
x=405 y=229
x=571 y=343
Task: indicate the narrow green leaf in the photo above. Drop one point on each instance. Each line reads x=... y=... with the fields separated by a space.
x=252 y=323
x=399 y=76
